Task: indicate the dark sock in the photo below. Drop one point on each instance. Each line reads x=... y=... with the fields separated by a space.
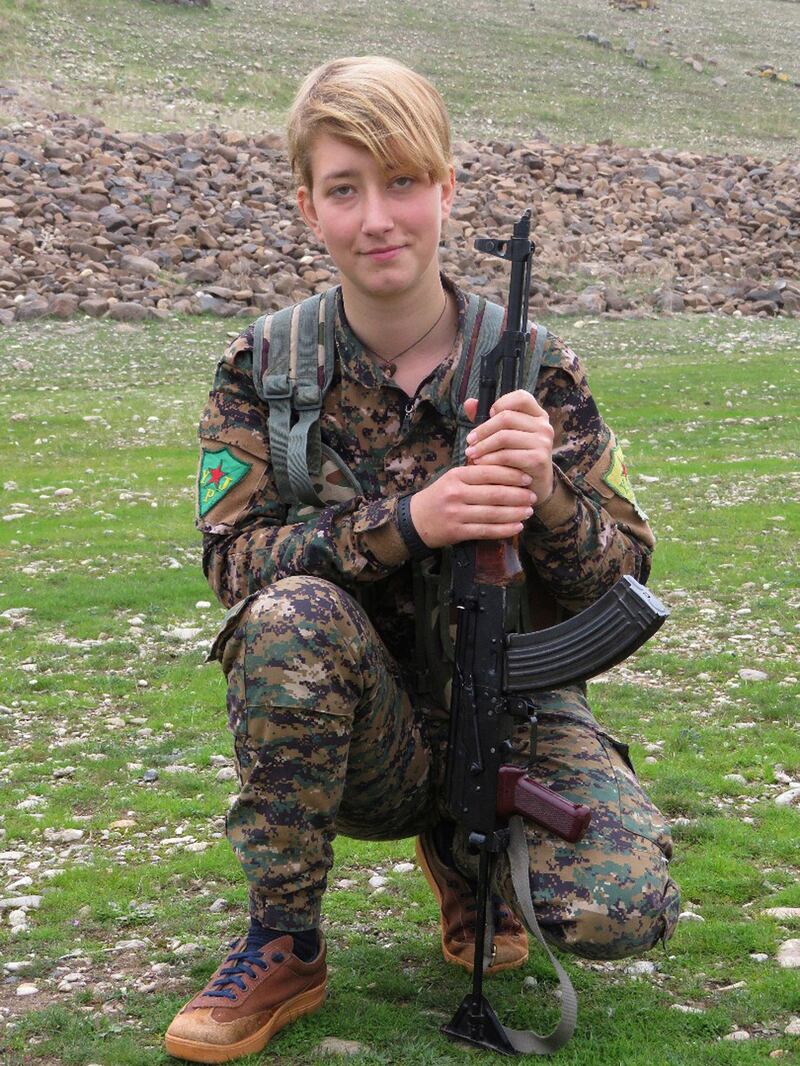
x=443 y=834
x=306 y=941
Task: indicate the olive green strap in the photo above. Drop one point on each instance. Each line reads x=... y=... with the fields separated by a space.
x=523 y=1040
x=488 y=336
x=304 y=455
x=274 y=385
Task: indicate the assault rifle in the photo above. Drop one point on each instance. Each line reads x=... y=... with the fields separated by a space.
x=496 y=677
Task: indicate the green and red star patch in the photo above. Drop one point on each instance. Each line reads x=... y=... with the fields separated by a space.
x=616 y=477
x=219 y=472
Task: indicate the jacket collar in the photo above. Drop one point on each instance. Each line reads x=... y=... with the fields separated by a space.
x=357 y=365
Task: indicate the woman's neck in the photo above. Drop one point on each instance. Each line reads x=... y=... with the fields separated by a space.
x=392 y=324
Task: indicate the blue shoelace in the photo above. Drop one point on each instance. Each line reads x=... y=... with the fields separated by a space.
x=242 y=966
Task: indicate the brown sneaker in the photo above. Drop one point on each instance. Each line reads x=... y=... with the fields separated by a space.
x=251 y=996
x=458 y=907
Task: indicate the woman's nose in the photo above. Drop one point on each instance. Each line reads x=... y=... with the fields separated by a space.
x=377 y=215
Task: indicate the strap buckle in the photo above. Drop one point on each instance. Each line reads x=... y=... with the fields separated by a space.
x=276 y=386
x=307 y=398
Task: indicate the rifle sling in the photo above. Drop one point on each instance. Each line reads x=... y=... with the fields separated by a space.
x=525 y=1041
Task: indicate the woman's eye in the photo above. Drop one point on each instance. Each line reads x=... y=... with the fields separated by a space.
x=341 y=190
x=403 y=182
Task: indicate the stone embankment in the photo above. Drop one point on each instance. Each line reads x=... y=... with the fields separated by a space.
x=138 y=226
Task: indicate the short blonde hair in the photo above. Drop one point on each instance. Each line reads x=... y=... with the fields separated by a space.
x=373 y=103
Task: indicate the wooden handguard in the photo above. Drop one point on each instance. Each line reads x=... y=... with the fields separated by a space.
x=518 y=794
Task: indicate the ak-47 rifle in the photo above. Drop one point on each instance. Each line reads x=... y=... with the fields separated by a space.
x=496 y=676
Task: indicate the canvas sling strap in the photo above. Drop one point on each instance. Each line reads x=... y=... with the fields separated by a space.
x=293 y=379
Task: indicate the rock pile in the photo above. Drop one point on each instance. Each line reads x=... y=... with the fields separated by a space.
x=136 y=226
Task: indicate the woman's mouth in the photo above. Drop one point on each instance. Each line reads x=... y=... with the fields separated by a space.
x=381 y=255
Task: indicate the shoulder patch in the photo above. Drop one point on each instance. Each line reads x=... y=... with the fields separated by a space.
x=616 y=477
x=219 y=472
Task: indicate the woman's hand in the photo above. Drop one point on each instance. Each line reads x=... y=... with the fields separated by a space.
x=476 y=502
x=517 y=435
x=509 y=470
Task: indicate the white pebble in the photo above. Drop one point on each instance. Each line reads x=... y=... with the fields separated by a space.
x=27 y=990
x=24 y=902
x=685 y=1009
x=21 y=882
x=64 y=492
x=784 y=913
x=202 y=605
x=403 y=867
x=331 y=1045
x=377 y=881
x=17 y=967
x=63 y=836
x=130 y=945
x=227 y=773
x=690 y=916
x=789 y=955
x=793 y=1028
x=751 y=675
x=739 y=1034
x=182 y=633
x=187 y=949
x=759 y=956
x=641 y=966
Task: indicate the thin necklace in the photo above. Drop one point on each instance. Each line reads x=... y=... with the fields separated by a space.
x=390 y=365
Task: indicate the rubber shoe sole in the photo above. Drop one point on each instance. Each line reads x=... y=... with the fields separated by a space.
x=456 y=960
x=194 y=1051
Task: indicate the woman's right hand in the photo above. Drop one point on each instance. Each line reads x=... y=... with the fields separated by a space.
x=475 y=502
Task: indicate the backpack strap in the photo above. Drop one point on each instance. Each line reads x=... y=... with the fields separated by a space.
x=489 y=319
x=466 y=380
x=294 y=382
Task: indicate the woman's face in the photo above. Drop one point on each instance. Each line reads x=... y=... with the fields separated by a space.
x=381 y=230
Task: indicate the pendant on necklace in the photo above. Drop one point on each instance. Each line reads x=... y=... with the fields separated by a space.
x=390 y=369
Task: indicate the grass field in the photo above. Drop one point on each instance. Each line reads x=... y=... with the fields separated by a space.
x=103 y=681
x=504 y=66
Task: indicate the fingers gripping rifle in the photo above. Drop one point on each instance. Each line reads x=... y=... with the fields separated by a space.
x=495 y=674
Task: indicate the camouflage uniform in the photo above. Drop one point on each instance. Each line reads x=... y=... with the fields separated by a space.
x=331 y=731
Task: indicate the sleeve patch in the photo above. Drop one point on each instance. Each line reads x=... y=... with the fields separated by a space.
x=219 y=472
x=616 y=477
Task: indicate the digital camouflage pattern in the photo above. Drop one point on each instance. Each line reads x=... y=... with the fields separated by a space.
x=577 y=544
x=330 y=731
x=327 y=740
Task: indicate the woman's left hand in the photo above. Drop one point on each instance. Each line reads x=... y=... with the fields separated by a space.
x=518 y=434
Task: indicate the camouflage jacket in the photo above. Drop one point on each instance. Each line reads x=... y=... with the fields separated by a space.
x=580 y=541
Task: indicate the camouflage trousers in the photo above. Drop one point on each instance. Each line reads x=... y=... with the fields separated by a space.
x=328 y=739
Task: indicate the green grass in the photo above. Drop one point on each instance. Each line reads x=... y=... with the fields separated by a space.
x=503 y=67
x=707 y=408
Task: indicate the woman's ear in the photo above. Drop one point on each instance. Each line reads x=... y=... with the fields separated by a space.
x=448 y=192
x=305 y=202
